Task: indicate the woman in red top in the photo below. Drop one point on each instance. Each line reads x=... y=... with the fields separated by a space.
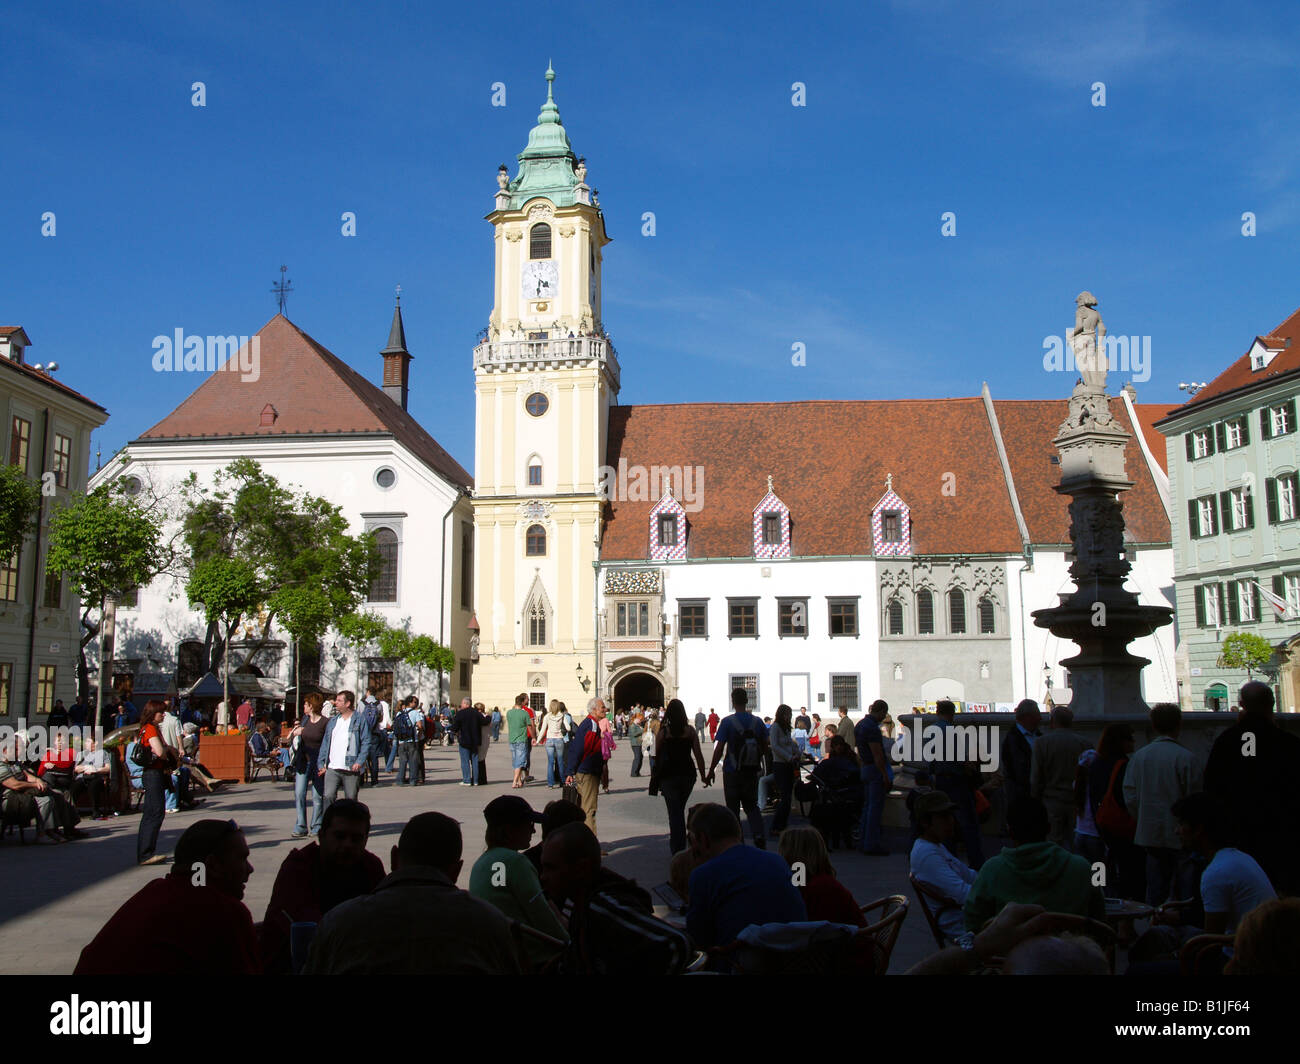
x=824 y=896
x=153 y=778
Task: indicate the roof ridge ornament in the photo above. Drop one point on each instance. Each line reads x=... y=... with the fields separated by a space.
x=769 y=485
x=889 y=481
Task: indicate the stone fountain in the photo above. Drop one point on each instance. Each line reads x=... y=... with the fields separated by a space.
x=1100 y=614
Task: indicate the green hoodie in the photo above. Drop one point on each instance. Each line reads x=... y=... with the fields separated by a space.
x=1040 y=873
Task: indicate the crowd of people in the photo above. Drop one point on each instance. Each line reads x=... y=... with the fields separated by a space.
x=1090 y=828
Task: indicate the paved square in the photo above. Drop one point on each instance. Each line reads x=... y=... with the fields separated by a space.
x=60 y=896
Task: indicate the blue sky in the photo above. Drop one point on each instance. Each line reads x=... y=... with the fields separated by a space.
x=775 y=224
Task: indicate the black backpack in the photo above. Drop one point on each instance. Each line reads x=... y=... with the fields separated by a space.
x=748 y=752
x=403 y=729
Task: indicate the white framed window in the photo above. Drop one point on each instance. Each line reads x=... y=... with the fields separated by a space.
x=1208 y=601
x=1202 y=445
x=1205 y=517
x=1239 y=509
x=1245 y=591
x=1281 y=420
x=1234 y=434
x=1291 y=592
x=1286 y=498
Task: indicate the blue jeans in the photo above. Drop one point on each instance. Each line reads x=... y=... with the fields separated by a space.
x=468 y=765
x=301 y=781
x=392 y=751
x=637 y=755
x=554 y=761
x=873 y=807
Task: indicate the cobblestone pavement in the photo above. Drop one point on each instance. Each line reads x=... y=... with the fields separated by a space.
x=61 y=895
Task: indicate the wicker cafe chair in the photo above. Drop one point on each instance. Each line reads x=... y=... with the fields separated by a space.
x=1195 y=950
x=927 y=896
x=271 y=762
x=523 y=935
x=829 y=949
x=884 y=932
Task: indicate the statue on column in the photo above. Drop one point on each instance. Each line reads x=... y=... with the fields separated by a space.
x=1088 y=340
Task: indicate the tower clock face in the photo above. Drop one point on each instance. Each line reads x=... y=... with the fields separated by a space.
x=541 y=279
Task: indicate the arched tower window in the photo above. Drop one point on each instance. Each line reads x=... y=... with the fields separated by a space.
x=539 y=241
x=895 y=611
x=535 y=541
x=384 y=586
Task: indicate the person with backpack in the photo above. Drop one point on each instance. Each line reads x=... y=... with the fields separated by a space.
x=372 y=716
x=740 y=744
x=408 y=735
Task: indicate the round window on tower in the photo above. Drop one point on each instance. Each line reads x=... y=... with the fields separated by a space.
x=132 y=486
x=537 y=404
x=385 y=478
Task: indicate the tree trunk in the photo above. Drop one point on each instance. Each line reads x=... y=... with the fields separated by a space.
x=89 y=631
x=108 y=627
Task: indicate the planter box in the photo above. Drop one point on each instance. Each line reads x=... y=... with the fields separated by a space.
x=225 y=756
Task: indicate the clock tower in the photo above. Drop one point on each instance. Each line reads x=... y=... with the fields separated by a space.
x=545 y=375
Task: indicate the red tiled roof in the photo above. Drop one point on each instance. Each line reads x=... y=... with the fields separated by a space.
x=828 y=461
x=1148 y=414
x=48 y=380
x=1240 y=375
x=1028 y=428
x=9 y=330
x=312 y=391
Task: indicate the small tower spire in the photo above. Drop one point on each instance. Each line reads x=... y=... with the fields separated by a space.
x=397 y=359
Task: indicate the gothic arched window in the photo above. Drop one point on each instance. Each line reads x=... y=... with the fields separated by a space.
x=925 y=612
x=987 y=616
x=895 y=611
x=957 y=611
x=539 y=241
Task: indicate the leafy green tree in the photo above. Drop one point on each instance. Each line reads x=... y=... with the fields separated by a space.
x=104 y=543
x=20 y=498
x=306 y=565
x=397 y=644
x=1244 y=650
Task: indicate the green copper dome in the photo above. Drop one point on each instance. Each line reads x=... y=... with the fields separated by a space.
x=546 y=165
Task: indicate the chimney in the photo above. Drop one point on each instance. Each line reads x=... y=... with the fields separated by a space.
x=12 y=342
x=397 y=360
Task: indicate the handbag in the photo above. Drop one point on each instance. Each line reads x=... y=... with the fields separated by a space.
x=1112 y=818
x=570 y=794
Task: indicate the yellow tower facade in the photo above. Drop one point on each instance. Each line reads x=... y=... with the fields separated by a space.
x=545 y=376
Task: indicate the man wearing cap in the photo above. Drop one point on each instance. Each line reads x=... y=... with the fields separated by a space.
x=505 y=878
x=934 y=865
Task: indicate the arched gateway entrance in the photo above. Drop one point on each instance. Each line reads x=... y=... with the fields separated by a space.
x=638 y=688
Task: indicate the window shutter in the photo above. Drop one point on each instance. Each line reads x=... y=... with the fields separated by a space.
x=1245 y=430
x=1234 y=614
x=1225 y=512
x=1191 y=446
x=1250 y=509
x=1198 y=596
x=1266 y=423
x=1279 y=587
x=1254 y=594
x=1220 y=436
x=1290 y=415
x=1193 y=522
x=1270 y=499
